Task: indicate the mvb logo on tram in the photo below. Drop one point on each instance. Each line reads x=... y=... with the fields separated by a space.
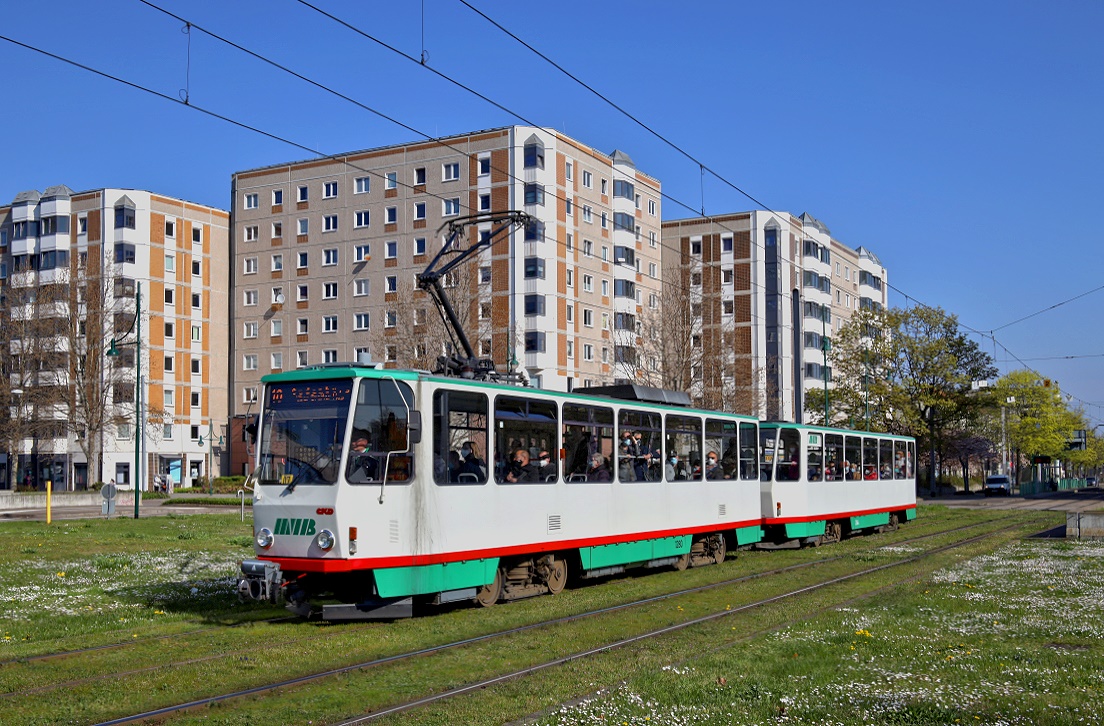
x=295 y=527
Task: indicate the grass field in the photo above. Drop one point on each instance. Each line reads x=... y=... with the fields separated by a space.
x=1008 y=633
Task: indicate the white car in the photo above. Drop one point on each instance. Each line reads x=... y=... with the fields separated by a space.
x=999 y=484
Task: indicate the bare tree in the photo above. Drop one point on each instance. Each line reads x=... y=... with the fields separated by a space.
x=412 y=332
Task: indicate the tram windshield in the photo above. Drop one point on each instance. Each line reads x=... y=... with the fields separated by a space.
x=303 y=431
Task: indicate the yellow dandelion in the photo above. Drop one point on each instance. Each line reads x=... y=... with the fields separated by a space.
x=61 y=574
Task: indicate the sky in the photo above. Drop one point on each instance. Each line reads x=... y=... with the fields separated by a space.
x=959 y=141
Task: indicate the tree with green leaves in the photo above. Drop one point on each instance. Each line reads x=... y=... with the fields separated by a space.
x=1038 y=422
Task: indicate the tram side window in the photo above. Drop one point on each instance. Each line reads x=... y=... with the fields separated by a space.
x=910 y=457
x=852 y=458
x=587 y=435
x=749 y=451
x=459 y=437
x=767 y=447
x=524 y=427
x=789 y=455
x=378 y=444
x=833 y=457
x=640 y=433
x=683 y=459
x=899 y=460
x=722 y=449
x=814 y=458
x=870 y=459
x=885 y=456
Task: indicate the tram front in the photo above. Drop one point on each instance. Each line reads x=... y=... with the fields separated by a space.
x=327 y=441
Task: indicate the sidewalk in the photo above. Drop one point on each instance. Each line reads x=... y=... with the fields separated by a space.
x=86 y=505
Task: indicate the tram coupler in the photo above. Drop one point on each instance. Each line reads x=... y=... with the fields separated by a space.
x=260 y=581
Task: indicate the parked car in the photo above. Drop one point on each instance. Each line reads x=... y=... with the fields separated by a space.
x=1090 y=481
x=999 y=484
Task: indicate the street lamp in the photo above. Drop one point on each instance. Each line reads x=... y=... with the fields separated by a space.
x=113 y=350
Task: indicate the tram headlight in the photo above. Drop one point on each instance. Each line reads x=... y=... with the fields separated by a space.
x=325 y=540
x=264 y=538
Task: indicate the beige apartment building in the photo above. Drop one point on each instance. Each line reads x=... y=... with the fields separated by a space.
x=325 y=253
x=78 y=271
x=764 y=290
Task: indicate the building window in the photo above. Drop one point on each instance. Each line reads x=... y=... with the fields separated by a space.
x=302 y=326
x=301 y=293
x=250 y=298
x=170 y=330
x=588 y=351
x=484 y=166
x=250 y=267
x=250 y=201
x=329 y=223
x=329 y=291
x=329 y=323
x=534 y=155
x=276 y=328
x=329 y=190
x=277 y=361
x=391 y=180
x=250 y=330
x=534 y=267
x=588 y=283
x=390 y=319
x=170 y=227
x=303 y=194
x=329 y=257
x=197 y=268
x=391 y=284
x=624 y=189
x=170 y=263
x=277 y=230
x=652 y=207
x=197 y=332
x=484 y=202
x=277 y=197
x=588 y=214
x=249 y=393
x=301 y=260
x=450 y=172
x=588 y=179
x=362 y=185
x=277 y=263
x=534 y=194
x=361 y=219
x=534 y=231
x=534 y=304
x=391 y=215
x=124 y=218
x=391 y=250
x=452 y=207
x=605 y=186
x=361 y=287
x=485 y=274
x=605 y=220
x=303 y=227
x=419 y=176
x=419 y=210
x=534 y=342
x=419 y=246
x=170 y=398
x=588 y=318
x=124 y=252
x=569 y=170
x=329 y=355
x=249 y=362
x=361 y=321
x=588 y=248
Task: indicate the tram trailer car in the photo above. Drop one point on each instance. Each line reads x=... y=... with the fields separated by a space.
x=377 y=488
x=823 y=484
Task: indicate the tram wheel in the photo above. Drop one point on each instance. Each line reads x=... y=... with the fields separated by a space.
x=718 y=542
x=488 y=595
x=893 y=523
x=682 y=562
x=833 y=532
x=557 y=576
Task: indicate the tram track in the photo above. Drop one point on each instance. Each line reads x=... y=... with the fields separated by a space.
x=399 y=658
x=251 y=651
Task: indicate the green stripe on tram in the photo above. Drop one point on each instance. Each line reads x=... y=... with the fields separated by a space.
x=796 y=530
x=427 y=579
x=870 y=520
x=627 y=553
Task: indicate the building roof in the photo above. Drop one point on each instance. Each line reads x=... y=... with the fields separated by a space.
x=57 y=192
x=810 y=221
x=29 y=197
x=620 y=157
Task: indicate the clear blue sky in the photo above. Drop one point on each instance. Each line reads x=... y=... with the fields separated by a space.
x=961 y=142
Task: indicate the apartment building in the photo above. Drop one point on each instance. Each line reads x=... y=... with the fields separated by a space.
x=80 y=271
x=325 y=253
x=766 y=289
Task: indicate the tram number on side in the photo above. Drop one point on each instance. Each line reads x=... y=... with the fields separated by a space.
x=287 y=478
